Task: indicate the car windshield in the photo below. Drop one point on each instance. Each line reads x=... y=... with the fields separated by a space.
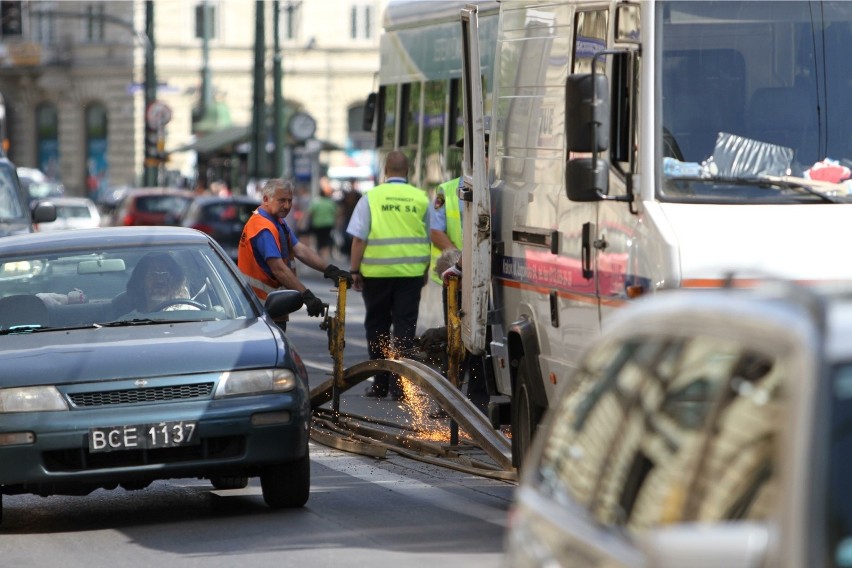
x=116 y=286
x=754 y=104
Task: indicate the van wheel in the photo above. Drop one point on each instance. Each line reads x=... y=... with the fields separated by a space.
x=525 y=416
x=235 y=482
x=287 y=485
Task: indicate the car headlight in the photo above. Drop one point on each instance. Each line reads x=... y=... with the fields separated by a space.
x=236 y=383
x=31 y=399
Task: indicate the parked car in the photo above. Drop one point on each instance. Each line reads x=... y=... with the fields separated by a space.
x=16 y=214
x=223 y=218
x=152 y=206
x=38 y=186
x=73 y=213
x=701 y=428
x=137 y=354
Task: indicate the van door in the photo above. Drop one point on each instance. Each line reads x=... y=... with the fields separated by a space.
x=474 y=193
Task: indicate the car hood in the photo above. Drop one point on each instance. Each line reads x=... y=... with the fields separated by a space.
x=797 y=242
x=63 y=357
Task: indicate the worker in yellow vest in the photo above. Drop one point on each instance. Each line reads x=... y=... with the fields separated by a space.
x=389 y=260
x=445 y=224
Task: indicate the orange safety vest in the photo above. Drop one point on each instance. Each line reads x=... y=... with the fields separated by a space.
x=260 y=281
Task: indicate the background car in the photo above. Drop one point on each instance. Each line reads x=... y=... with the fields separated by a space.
x=73 y=213
x=708 y=427
x=223 y=218
x=151 y=206
x=95 y=396
x=38 y=186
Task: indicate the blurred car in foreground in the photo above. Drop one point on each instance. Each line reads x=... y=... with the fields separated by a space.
x=223 y=218
x=152 y=206
x=98 y=390
x=703 y=428
x=73 y=213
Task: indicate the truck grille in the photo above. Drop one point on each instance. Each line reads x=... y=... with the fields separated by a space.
x=140 y=396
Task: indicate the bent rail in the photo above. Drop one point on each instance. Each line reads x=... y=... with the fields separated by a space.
x=449 y=397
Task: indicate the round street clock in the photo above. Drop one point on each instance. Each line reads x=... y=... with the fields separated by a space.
x=302 y=126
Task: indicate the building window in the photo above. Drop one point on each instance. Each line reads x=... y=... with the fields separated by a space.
x=44 y=24
x=290 y=20
x=97 y=165
x=360 y=139
x=11 y=23
x=199 y=20
x=95 y=23
x=47 y=139
x=361 y=22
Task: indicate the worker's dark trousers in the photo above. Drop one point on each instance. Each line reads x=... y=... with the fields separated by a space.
x=391 y=303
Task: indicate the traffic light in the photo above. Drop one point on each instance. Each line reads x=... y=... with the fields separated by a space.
x=11 y=23
x=153 y=154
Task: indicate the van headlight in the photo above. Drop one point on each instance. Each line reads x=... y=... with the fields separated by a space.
x=31 y=399
x=256 y=381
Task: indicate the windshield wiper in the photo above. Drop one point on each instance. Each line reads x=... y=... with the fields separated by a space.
x=801 y=185
x=148 y=321
x=27 y=328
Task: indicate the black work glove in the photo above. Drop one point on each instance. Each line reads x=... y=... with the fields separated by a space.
x=335 y=274
x=313 y=304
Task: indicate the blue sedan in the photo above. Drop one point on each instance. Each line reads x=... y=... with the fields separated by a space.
x=129 y=355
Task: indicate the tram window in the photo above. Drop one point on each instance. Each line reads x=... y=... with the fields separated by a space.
x=386 y=124
x=411 y=115
x=434 y=105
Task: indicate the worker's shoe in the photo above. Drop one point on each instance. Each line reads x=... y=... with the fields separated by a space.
x=373 y=392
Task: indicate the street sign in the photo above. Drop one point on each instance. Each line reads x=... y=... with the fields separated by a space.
x=158 y=114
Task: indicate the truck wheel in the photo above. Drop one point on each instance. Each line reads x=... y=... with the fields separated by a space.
x=287 y=485
x=525 y=416
x=235 y=482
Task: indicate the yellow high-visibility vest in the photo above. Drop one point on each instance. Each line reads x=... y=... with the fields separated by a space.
x=449 y=189
x=397 y=244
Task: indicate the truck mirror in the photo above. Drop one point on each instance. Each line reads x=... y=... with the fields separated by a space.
x=587 y=179
x=587 y=112
x=369 y=112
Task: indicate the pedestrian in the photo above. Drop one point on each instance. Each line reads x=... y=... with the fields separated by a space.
x=350 y=199
x=268 y=249
x=389 y=261
x=323 y=217
x=445 y=222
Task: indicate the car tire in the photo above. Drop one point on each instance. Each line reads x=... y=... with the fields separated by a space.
x=526 y=416
x=287 y=485
x=234 y=482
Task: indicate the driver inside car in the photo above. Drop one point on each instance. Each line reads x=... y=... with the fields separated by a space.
x=157 y=283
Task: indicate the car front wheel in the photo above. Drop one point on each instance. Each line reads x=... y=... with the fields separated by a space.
x=287 y=485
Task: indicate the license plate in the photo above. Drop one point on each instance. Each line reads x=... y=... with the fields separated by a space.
x=143 y=436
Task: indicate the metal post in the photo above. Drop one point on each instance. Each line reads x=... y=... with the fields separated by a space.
x=150 y=85
x=206 y=82
x=277 y=97
x=455 y=347
x=337 y=345
x=257 y=164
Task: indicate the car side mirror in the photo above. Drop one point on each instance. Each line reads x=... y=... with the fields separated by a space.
x=279 y=303
x=43 y=212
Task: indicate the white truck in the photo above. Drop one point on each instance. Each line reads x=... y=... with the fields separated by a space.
x=634 y=147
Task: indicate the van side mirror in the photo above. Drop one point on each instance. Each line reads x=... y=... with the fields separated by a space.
x=587 y=112
x=369 y=112
x=587 y=118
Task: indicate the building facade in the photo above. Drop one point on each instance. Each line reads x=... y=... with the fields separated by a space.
x=72 y=77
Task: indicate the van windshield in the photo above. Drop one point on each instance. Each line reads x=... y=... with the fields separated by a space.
x=755 y=91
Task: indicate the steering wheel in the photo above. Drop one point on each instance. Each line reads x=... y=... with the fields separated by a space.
x=178 y=302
